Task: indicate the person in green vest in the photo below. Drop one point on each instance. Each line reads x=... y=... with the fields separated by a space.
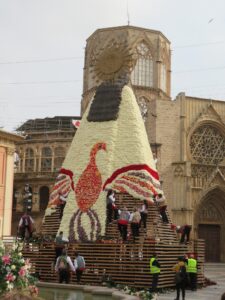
x=155 y=271
x=192 y=271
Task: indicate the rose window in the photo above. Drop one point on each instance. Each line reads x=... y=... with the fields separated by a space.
x=207 y=145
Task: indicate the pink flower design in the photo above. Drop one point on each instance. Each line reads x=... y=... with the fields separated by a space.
x=22 y=272
x=6 y=259
x=27 y=264
x=33 y=290
x=10 y=277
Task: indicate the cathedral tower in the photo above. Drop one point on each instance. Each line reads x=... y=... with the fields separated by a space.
x=143 y=54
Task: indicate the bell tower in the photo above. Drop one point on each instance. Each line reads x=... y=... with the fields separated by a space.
x=141 y=54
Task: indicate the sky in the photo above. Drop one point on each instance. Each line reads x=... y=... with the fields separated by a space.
x=42 y=46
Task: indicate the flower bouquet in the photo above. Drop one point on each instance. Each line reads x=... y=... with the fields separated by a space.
x=16 y=282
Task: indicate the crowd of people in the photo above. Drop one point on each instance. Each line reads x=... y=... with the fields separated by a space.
x=185 y=274
x=185 y=268
x=63 y=263
x=137 y=218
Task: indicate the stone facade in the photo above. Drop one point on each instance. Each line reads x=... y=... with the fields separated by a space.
x=7 y=150
x=186 y=134
x=41 y=155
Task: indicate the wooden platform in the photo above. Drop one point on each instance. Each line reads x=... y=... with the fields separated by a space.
x=125 y=263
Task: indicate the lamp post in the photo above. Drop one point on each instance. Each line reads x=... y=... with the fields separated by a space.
x=27 y=198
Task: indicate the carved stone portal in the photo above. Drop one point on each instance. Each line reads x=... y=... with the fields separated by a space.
x=209 y=214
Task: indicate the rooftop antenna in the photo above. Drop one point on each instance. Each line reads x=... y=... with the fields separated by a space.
x=128 y=16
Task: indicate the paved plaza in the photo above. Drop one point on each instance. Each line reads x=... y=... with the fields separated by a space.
x=215 y=272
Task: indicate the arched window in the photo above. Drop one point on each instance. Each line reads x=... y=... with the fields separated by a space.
x=29 y=160
x=46 y=159
x=43 y=197
x=60 y=154
x=143 y=70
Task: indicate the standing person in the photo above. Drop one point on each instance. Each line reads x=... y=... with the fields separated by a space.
x=192 y=271
x=135 y=219
x=62 y=204
x=59 y=245
x=223 y=296
x=79 y=265
x=123 y=221
x=180 y=277
x=112 y=211
x=144 y=213
x=26 y=226
x=160 y=200
x=155 y=271
x=185 y=233
x=63 y=266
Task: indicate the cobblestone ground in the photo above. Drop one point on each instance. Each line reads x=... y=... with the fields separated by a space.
x=215 y=272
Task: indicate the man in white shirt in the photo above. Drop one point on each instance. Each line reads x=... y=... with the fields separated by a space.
x=79 y=264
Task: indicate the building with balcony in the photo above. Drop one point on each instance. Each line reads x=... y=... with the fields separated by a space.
x=41 y=155
x=7 y=160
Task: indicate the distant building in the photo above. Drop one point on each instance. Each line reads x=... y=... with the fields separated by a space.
x=7 y=160
x=187 y=135
x=40 y=156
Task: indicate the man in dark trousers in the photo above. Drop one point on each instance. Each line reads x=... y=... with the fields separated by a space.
x=59 y=245
x=192 y=271
x=26 y=226
x=79 y=265
x=63 y=267
x=155 y=271
x=185 y=233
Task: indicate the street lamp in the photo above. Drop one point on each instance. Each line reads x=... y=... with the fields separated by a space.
x=27 y=198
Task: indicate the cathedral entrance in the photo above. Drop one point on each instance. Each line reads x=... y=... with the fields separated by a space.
x=210 y=224
x=211 y=235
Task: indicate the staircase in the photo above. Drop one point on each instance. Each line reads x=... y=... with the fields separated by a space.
x=51 y=224
x=124 y=263
x=156 y=229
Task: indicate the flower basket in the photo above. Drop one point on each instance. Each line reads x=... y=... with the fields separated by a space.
x=16 y=281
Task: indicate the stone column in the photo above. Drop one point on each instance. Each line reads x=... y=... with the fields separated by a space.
x=183 y=144
x=7 y=210
x=2 y=185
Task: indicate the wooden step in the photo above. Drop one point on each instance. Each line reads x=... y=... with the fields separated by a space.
x=126 y=263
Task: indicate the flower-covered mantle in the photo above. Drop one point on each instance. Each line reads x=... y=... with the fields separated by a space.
x=106 y=154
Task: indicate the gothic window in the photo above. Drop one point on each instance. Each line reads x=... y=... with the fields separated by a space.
x=143 y=107
x=46 y=159
x=60 y=154
x=29 y=160
x=143 y=72
x=207 y=145
x=163 y=77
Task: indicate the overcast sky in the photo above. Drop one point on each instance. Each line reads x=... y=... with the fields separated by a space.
x=42 y=49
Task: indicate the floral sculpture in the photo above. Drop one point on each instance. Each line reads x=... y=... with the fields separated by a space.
x=16 y=282
x=109 y=151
